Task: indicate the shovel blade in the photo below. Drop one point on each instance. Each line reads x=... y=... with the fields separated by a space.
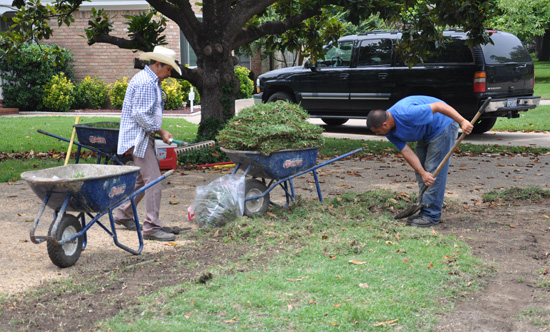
x=409 y=211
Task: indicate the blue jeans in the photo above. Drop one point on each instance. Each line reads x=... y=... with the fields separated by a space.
x=431 y=153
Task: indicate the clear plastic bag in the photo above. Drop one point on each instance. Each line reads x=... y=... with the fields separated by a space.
x=218 y=202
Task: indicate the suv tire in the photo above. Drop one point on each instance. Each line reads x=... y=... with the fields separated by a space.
x=484 y=125
x=280 y=96
x=334 y=121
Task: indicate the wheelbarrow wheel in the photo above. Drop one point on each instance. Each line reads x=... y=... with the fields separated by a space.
x=259 y=205
x=67 y=254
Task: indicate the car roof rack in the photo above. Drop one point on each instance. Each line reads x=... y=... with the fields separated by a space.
x=373 y=32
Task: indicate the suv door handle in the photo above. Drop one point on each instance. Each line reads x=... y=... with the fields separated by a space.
x=344 y=76
x=382 y=76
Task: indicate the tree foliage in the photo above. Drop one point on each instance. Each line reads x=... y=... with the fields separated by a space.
x=226 y=26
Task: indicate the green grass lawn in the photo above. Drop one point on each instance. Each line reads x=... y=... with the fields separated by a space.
x=333 y=266
x=542 y=79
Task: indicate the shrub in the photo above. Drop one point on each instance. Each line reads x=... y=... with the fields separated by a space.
x=117 y=91
x=186 y=88
x=90 y=92
x=58 y=94
x=270 y=127
x=174 y=93
x=247 y=85
x=23 y=81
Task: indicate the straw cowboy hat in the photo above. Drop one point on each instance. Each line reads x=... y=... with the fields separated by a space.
x=164 y=55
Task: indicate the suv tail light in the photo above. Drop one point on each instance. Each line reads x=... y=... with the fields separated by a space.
x=480 y=81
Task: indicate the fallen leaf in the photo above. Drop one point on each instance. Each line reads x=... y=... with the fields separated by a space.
x=430 y=265
x=405 y=260
x=397 y=237
x=357 y=262
x=337 y=305
x=332 y=257
x=173 y=202
x=29 y=220
x=387 y=323
x=170 y=244
x=512 y=226
x=434 y=233
x=232 y=320
x=364 y=285
x=312 y=301
x=389 y=243
x=272 y=215
x=545 y=271
x=334 y=324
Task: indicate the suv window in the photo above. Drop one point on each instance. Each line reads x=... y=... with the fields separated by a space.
x=453 y=51
x=375 y=52
x=506 y=48
x=339 y=56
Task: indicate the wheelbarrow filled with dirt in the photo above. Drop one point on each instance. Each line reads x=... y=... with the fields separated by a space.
x=89 y=191
x=277 y=169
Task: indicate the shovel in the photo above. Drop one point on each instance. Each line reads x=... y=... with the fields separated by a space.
x=418 y=205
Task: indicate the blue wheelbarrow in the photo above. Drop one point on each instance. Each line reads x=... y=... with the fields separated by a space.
x=90 y=190
x=100 y=137
x=276 y=169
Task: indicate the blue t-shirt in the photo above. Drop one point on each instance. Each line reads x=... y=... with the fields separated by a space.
x=415 y=121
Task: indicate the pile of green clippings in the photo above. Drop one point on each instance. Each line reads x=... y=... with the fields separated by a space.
x=270 y=127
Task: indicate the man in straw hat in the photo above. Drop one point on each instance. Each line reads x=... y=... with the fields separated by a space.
x=141 y=120
x=433 y=125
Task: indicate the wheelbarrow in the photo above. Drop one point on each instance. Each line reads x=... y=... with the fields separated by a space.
x=89 y=190
x=102 y=138
x=276 y=169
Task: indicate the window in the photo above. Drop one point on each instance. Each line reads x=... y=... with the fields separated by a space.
x=375 y=52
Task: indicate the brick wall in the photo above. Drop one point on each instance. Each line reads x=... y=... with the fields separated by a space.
x=106 y=61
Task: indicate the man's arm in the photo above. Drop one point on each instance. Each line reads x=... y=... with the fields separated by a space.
x=445 y=109
x=413 y=160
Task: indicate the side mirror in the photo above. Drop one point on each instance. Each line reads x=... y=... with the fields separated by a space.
x=310 y=65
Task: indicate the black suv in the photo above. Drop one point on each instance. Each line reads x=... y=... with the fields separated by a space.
x=364 y=73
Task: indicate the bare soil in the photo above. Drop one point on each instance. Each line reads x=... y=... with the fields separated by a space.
x=513 y=239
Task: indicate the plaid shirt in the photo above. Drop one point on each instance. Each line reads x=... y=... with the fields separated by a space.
x=137 y=121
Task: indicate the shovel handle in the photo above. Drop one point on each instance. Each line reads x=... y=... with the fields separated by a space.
x=458 y=141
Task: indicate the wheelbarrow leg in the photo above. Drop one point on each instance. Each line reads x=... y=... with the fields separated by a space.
x=314 y=171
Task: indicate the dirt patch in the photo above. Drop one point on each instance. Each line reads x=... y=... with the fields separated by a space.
x=513 y=240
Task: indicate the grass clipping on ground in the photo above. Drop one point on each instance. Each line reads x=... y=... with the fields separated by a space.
x=271 y=127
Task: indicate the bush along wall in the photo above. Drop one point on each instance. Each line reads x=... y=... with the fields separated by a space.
x=23 y=81
x=91 y=92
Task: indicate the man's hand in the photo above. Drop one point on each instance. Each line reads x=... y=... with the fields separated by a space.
x=428 y=178
x=466 y=126
x=165 y=135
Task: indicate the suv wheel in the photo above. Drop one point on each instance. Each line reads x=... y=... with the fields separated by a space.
x=280 y=96
x=334 y=121
x=484 y=125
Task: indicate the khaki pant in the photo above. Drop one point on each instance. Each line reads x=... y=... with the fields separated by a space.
x=149 y=171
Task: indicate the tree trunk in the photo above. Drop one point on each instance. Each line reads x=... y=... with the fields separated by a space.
x=218 y=90
x=544 y=53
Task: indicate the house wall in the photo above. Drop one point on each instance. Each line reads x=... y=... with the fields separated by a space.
x=107 y=61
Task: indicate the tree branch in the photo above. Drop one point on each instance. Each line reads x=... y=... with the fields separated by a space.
x=247 y=36
x=117 y=41
x=182 y=14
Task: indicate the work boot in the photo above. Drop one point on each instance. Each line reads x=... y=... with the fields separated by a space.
x=421 y=221
x=160 y=235
x=130 y=224
x=175 y=229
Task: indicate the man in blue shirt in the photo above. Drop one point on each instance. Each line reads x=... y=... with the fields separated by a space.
x=141 y=119
x=433 y=125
